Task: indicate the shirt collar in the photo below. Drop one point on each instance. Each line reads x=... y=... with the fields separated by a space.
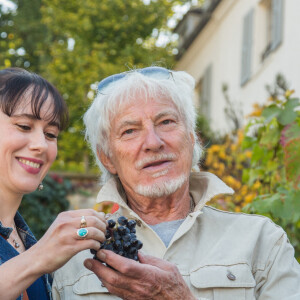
x=203 y=187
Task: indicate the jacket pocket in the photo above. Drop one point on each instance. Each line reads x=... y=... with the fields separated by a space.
x=224 y=282
x=91 y=287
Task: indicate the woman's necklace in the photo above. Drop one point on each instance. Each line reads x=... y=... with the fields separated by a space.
x=14 y=241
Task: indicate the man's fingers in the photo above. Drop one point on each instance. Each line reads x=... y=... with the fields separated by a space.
x=155 y=262
x=126 y=266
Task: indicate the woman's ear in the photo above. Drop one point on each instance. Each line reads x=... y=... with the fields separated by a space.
x=106 y=161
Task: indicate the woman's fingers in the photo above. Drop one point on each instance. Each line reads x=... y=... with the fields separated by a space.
x=69 y=220
x=84 y=212
x=92 y=234
x=91 y=221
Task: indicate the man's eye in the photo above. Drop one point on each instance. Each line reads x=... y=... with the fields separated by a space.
x=24 y=127
x=166 y=122
x=128 y=131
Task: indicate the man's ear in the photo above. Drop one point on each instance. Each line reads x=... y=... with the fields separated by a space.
x=106 y=161
x=192 y=138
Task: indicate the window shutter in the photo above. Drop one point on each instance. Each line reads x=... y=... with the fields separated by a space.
x=247 y=46
x=206 y=94
x=277 y=23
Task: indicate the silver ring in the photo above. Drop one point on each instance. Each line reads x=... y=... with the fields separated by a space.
x=82 y=233
x=83 y=223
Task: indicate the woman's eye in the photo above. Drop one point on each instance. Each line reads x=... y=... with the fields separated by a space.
x=24 y=127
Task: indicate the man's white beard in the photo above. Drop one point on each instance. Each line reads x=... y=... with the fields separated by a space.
x=160 y=189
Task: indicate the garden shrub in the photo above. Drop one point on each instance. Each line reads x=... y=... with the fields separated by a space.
x=274 y=138
x=40 y=208
x=262 y=163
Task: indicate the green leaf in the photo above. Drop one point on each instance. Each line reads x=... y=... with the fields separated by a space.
x=266 y=203
x=270 y=112
x=258 y=153
x=288 y=115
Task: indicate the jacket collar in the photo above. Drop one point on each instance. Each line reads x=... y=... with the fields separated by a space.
x=203 y=187
x=23 y=229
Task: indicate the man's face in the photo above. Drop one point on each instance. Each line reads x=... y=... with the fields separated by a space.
x=151 y=150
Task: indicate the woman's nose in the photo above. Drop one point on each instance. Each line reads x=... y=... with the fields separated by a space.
x=38 y=141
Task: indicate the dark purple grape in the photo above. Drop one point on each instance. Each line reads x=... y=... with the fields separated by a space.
x=133 y=250
x=121 y=238
x=126 y=245
x=139 y=245
x=111 y=223
x=107 y=234
x=122 y=220
x=126 y=237
x=116 y=235
x=118 y=245
x=131 y=224
x=121 y=230
x=133 y=242
x=108 y=246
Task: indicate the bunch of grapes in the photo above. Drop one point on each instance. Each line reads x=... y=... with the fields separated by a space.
x=121 y=238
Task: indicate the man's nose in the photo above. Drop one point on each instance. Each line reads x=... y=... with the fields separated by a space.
x=153 y=141
x=38 y=141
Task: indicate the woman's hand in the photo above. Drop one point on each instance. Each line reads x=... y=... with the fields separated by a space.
x=61 y=241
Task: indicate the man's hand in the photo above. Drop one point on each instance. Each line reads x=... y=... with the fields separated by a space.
x=152 y=278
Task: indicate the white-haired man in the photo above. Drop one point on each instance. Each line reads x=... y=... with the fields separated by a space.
x=141 y=127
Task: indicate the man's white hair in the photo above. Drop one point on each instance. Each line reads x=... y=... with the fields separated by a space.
x=178 y=87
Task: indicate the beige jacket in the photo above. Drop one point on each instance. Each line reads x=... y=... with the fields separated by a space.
x=221 y=255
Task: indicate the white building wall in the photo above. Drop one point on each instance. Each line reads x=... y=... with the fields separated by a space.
x=220 y=44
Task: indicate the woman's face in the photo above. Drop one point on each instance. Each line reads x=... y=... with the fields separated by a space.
x=28 y=147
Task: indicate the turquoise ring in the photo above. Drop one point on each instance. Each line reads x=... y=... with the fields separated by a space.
x=82 y=233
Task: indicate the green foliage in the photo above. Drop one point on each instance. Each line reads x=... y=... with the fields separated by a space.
x=274 y=138
x=40 y=208
x=206 y=135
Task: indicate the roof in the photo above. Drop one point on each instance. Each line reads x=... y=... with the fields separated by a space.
x=204 y=16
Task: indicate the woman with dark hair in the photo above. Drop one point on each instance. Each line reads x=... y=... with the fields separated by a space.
x=32 y=113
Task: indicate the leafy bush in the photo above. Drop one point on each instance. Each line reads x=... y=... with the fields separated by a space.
x=227 y=161
x=262 y=163
x=274 y=138
x=40 y=208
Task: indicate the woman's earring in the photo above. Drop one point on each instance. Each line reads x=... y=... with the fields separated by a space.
x=40 y=187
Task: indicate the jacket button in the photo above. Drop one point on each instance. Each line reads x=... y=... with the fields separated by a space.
x=230 y=276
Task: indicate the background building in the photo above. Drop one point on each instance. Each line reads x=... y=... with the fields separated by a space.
x=243 y=44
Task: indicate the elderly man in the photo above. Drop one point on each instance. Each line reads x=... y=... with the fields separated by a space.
x=141 y=127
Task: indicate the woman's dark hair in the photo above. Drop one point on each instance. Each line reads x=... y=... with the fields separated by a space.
x=15 y=82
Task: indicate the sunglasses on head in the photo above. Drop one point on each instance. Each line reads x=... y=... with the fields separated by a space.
x=154 y=72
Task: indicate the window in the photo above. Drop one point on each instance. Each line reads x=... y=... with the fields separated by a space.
x=247 y=47
x=204 y=93
x=273 y=25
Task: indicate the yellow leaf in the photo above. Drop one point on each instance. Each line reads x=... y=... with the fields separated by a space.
x=7 y=63
x=288 y=93
x=256 y=185
x=237 y=209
